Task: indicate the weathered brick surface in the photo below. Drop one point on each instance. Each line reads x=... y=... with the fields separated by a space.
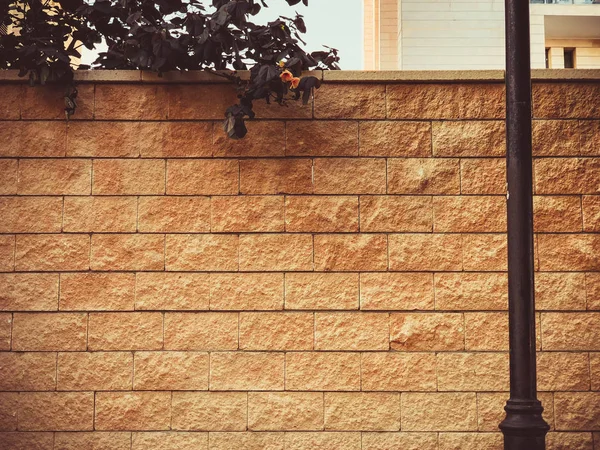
x=336 y=280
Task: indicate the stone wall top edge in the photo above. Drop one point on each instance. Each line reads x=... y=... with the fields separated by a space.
x=341 y=76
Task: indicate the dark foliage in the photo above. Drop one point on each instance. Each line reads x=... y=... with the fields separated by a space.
x=163 y=35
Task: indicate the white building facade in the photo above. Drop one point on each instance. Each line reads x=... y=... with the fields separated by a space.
x=469 y=34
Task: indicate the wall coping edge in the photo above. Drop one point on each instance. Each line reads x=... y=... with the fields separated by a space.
x=339 y=76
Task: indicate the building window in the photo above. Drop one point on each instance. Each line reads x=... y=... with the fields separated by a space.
x=547 y=58
x=569 y=58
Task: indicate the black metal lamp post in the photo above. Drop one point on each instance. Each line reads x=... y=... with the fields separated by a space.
x=523 y=428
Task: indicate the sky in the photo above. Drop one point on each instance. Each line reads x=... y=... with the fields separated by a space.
x=335 y=23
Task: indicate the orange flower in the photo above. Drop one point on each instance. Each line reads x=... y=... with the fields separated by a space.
x=295 y=82
x=286 y=76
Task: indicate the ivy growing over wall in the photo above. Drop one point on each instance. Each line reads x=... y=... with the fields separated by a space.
x=43 y=39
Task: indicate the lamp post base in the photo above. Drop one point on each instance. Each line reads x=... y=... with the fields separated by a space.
x=524 y=428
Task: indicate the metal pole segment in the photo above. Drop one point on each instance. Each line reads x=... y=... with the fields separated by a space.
x=523 y=428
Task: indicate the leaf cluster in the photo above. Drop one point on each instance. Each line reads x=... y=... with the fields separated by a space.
x=44 y=40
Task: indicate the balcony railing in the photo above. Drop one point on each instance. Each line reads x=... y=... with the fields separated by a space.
x=567 y=2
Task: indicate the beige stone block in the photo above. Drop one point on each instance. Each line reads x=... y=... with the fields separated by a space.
x=285 y=411
x=472 y=372
x=425 y=252
x=49 y=332
x=322 y=441
x=591 y=213
x=423 y=176
x=483 y=176
x=395 y=214
x=111 y=139
x=321 y=291
x=471 y=441
x=490 y=409
x=556 y=137
x=125 y=331
x=169 y=441
x=247 y=214
x=563 y=371
x=100 y=214
x=28 y=292
x=595 y=371
x=174 y=214
x=203 y=177
x=427 y=332
x=31 y=214
x=577 y=411
x=399 y=441
x=469 y=138
x=276 y=252
x=439 y=412
x=133 y=411
x=396 y=291
x=352 y=331
x=361 y=411
x=557 y=214
x=469 y=214
x=9 y=405
x=97 y=291
x=8 y=176
x=350 y=101
x=264 y=138
x=317 y=371
x=173 y=371
x=321 y=138
x=96 y=440
x=571 y=331
x=276 y=331
x=129 y=177
x=246 y=291
x=247 y=371
x=398 y=372
x=569 y=252
x=569 y=441
x=52 y=252
x=201 y=252
x=350 y=175
x=112 y=252
x=210 y=411
x=332 y=214
x=26 y=441
x=246 y=441
x=127 y=102
x=484 y=252
x=350 y=252
x=95 y=371
x=56 y=411
x=275 y=176
x=445 y=101
x=567 y=175
x=27 y=371
x=592 y=286
x=395 y=139
x=486 y=331
x=181 y=140
x=565 y=100
x=172 y=291
x=54 y=177
x=560 y=291
x=7 y=253
x=589 y=137
x=5 y=330
x=471 y=291
x=201 y=331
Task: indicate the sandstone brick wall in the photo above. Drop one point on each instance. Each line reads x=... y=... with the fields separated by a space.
x=337 y=280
